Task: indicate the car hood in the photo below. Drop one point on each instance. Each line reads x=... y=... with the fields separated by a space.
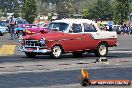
x=38 y=36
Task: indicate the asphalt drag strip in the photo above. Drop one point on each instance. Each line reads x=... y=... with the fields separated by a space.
x=63 y=78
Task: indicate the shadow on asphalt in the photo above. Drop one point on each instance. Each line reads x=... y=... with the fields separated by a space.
x=24 y=58
x=86 y=56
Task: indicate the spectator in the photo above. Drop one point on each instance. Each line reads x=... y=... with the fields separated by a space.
x=110 y=26
x=12 y=24
x=128 y=30
x=105 y=28
x=125 y=28
x=122 y=29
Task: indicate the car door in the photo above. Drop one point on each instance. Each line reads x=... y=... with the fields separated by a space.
x=91 y=36
x=74 y=38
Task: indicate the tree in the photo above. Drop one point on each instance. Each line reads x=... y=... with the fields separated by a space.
x=29 y=10
x=85 y=13
x=11 y=6
x=64 y=9
x=102 y=10
x=121 y=11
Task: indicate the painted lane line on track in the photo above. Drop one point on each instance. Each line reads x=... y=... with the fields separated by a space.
x=121 y=51
x=52 y=70
x=57 y=86
x=7 y=50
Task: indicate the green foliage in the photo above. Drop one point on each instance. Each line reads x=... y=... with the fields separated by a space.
x=29 y=10
x=121 y=11
x=85 y=13
x=64 y=9
x=102 y=10
x=12 y=6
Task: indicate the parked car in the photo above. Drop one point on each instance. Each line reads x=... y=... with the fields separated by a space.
x=117 y=28
x=27 y=29
x=74 y=36
x=32 y=30
x=21 y=29
x=18 y=21
x=3 y=28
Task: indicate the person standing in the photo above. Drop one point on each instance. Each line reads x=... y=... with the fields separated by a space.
x=12 y=24
x=110 y=26
x=125 y=28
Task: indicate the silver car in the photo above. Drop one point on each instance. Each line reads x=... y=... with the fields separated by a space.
x=3 y=30
x=3 y=27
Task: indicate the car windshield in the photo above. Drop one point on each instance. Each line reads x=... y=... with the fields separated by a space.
x=58 y=26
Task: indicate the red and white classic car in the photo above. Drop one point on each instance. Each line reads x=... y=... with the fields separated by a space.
x=74 y=36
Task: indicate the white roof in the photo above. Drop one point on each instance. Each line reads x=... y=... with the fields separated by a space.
x=78 y=21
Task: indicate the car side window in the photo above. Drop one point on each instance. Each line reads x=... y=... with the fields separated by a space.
x=89 y=28
x=76 y=28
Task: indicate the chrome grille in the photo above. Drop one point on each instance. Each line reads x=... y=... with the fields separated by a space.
x=32 y=43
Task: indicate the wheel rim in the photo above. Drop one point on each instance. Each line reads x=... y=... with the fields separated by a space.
x=102 y=50
x=56 y=51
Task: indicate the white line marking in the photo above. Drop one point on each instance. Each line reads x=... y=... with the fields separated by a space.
x=120 y=51
x=52 y=70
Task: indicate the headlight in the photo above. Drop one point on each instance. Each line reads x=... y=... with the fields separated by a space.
x=42 y=41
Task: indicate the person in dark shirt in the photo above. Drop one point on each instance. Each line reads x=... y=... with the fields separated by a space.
x=12 y=24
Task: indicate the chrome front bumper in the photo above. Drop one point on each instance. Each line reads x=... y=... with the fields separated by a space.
x=36 y=50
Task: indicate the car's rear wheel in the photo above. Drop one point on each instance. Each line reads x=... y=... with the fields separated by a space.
x=101 y=50
x=56 y=52
x=77 y=54
x=1 y=34
x=30 y=54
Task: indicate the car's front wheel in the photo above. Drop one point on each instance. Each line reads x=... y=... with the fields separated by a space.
x=101 y=50
x=56 y=52
x=30 y=54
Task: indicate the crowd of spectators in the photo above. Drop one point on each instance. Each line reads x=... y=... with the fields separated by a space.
x=126 y=29
x=121 y=29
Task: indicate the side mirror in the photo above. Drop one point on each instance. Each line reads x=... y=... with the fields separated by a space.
x=43 y=31
x=55 y=29
x=70 y=31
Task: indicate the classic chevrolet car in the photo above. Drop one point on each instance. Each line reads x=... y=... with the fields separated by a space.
x=74 y=36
